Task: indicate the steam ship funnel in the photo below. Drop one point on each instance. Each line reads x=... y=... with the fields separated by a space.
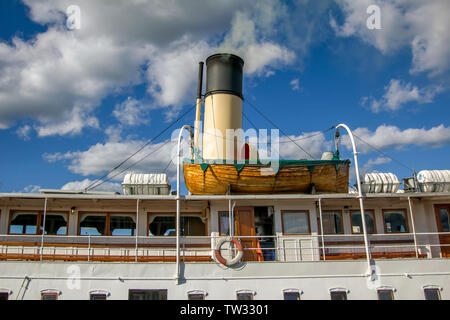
x=223 y=106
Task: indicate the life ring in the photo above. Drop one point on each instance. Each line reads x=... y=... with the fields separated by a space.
x=228 y=262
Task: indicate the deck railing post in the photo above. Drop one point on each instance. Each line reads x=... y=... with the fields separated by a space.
x=137 y=230
x=43 y=230
x=89 y=248
x=178 y=199
x=413 y=226
x=321 y=229
x=360 y=195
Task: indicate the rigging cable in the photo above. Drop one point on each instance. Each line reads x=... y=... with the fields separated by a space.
x=386 y=155
x=93 y=184
x=271 y=122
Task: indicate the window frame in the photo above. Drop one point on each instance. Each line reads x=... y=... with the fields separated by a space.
x=342 y=221
x=107 y=222
x=386 y=289
x=437 y=207
x=372 y=211
x=292 y=290
x=399 y=210
x=166 y=291
x=308 y=215
x=6 y=292
x=40 y=216
x=197 y=293
x=98 y=293
x=245 y=291
x=338 y=290
x=432 y=287
x=197 y=214
x=50 y=292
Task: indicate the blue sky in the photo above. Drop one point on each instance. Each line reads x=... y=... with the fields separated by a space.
x=75 y=103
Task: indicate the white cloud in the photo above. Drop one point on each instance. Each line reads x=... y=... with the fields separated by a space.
x=391 y=136
x=101 y=157
x=131 y=112
x=81 y=185
x=24 y=132
x=374 y=162
x=31 y=189
x=295 y=84
x=422 y=25
x=398 y=93
x=314 y=143
x=58 y=78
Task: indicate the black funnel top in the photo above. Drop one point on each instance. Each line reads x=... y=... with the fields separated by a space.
x=224 y=74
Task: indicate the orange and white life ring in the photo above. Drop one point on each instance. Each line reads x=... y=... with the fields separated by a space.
x=236 y=259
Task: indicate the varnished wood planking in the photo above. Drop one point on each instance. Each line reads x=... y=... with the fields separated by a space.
x=290 y=178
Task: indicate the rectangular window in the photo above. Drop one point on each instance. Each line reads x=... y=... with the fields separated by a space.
x=98 y=296
x=332 y=222
x=291 y=295
x=49 y=296
x=385 y=294
x=224 y=223
x=55 y=223
x=338 y=295
x=357 y=222
x=164 y=225
x=445 y=219
x=244 y=296
x=295 y=222
x=147 y=294
x=4 y=296
x=196 y=296
x=122 y=225
x=432 y=294
x=23 y=223
x=395 y=221
x=92 y=224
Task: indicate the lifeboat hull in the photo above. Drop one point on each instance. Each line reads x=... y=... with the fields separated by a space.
x=330 y=176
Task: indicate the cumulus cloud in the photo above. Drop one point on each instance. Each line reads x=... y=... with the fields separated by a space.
x=391 y=136
x=295 y=84
x=314 y=143
x=368 y=166
x=81 y=185
x=398 y=93
x=58 y=78
x=24 y=132
x=131 y=112
x=421 y=25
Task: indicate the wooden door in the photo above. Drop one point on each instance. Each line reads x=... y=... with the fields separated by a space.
x=245 y=226
x=443 y=224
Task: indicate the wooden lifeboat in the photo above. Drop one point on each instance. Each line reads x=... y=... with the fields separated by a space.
x=292 y=176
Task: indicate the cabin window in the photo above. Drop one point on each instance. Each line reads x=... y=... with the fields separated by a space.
x=332 y=222
x=147 y=294
x=33 y=223
x=92 y=224
x=432 y=293
x=122 y=225
x=196 y=296
x=224 y=223
x=165 y=226
x=55 y=223
x=49 y=296
x=295 y=222
x=338 y=295
x=4 y=296
x=97 y=296
x=244 y=296
x=444 y=219
x=357 y=222
x=385 y=294
x=23 y=223
x=291 y=295
x=395 y=221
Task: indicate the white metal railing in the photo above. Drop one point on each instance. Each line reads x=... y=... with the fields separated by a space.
x=268 y=248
